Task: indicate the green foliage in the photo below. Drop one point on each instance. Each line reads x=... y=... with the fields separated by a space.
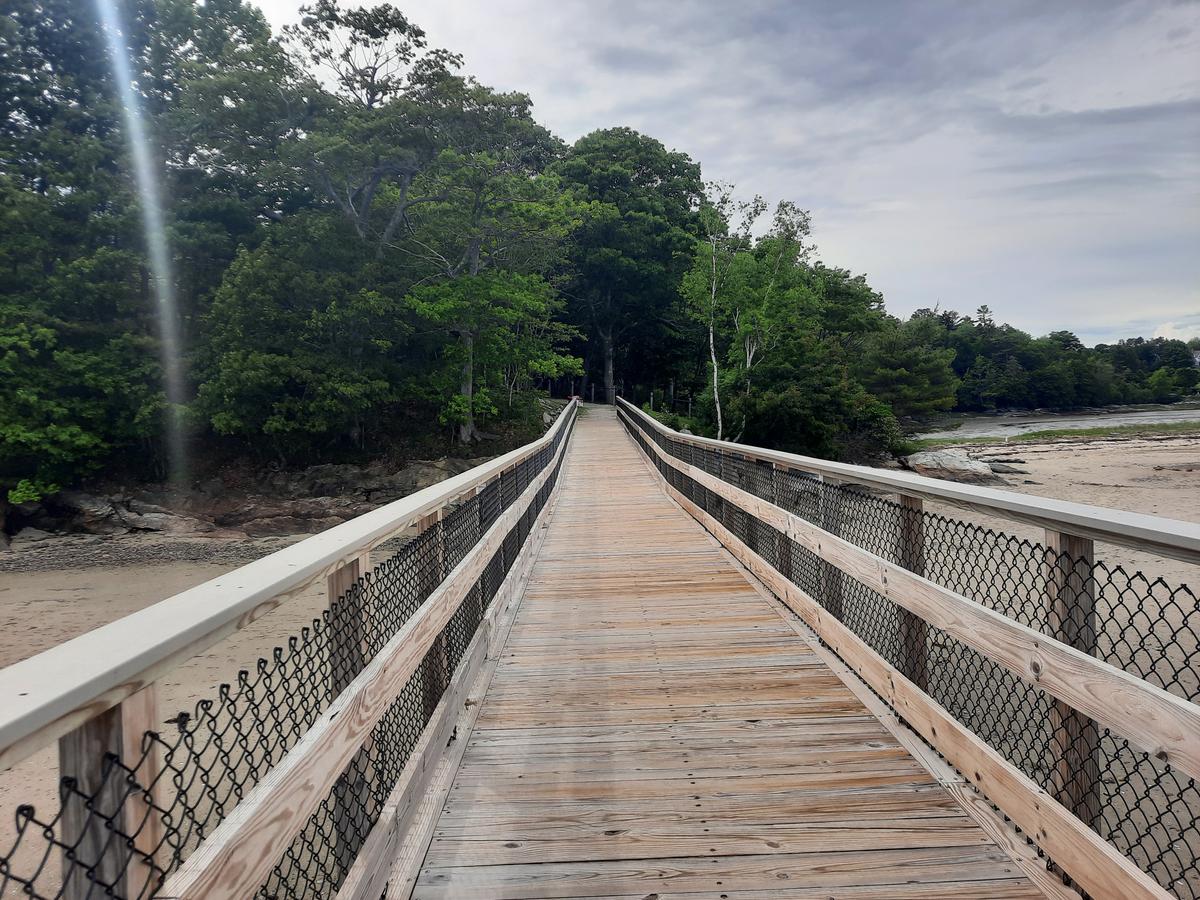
x=632 y=245
x=900 y=368
x=371 y=248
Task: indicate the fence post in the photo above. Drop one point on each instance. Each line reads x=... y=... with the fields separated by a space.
x=829 y=509
x=914 y=631
x=436 y=669
x=82 y=755
x=1074 y=737
x=347 y=657
x=783 y=548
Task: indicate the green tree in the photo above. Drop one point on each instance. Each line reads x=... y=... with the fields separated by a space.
x=514 y=338
x=304 y=349
x=901 y=368
x=634 y=241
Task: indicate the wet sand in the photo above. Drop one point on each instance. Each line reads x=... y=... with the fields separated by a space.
x=1013 y=424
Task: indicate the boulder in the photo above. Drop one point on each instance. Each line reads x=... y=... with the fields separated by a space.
x=27 y=536
x=283 y=525
x=94 y=515
x=951 y=465
x=1007 y=469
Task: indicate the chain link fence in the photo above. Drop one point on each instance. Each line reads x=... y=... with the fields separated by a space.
x=1135 y=622
x=154 y=811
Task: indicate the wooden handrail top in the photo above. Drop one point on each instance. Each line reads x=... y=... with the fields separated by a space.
x=1167 y=537
x=45 y=696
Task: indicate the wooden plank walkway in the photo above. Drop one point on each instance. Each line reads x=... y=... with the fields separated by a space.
x=655 y=729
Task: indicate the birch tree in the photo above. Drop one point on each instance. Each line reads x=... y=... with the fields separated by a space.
x=727 y=224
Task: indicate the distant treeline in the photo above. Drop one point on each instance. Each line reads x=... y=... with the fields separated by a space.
x=373 y=252
x=1000 y=367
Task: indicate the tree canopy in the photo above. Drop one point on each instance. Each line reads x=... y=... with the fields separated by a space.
x=374 y=251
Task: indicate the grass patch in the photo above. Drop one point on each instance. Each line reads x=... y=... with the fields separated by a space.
x=1055 y=433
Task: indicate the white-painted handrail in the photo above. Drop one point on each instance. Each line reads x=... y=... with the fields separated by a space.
x=1166 y=537
x=47 y=695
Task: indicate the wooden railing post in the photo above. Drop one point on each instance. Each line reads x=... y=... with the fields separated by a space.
x=830 y=512
x=347 y=656
x=1074 y=737
x=83 y=755
x=783 y=547
x=436 y=671
x=914 y=632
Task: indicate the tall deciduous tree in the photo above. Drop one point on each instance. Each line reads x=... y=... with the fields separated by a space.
x=726 y=225
x=634 y=242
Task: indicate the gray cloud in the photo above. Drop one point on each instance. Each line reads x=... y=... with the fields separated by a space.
x=1041 y=158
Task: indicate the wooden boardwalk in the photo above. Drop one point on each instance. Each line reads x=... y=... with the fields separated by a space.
x=656 y=728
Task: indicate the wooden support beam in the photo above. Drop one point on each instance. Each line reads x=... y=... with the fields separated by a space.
x=783 y=546
x=103 y=809
x=347 y=656
x=829 y=504
x=1074 y=737
x=914 y=632
x=435 y=671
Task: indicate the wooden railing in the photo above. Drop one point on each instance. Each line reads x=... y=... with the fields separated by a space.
x=1085 y=689
x=96 y=695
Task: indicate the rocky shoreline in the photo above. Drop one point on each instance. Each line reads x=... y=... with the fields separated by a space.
x=157 y=523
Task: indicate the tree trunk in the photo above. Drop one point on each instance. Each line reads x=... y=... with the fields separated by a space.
x=467 y=432
x=610 y=387
x=712 y=342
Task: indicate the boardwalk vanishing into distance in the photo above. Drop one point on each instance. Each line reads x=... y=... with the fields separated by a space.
x=627 y=662
x=656 y=726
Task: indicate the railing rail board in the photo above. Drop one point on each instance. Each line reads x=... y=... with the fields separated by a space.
x=235 y=860
x=1168 y=537
x=48 y=695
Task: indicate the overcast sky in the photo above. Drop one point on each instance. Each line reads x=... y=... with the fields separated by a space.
x=1042 y=158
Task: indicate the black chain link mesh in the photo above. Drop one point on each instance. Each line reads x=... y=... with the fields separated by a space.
x=1147 y=627
x=191 y=777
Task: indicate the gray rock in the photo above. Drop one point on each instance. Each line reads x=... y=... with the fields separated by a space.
x=1007 y=469
x=95 y=515
x=27 y=536
x=684 y=431
x=951 y=465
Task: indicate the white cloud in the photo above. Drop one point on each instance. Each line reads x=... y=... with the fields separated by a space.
x=1179 y=330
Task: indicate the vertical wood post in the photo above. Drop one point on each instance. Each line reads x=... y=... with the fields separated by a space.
x=914 y=631
x=783 y=547
x=347 y=656
x=435 y=672
x=82 y=755
x=1074 y=737
x=830 y=509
